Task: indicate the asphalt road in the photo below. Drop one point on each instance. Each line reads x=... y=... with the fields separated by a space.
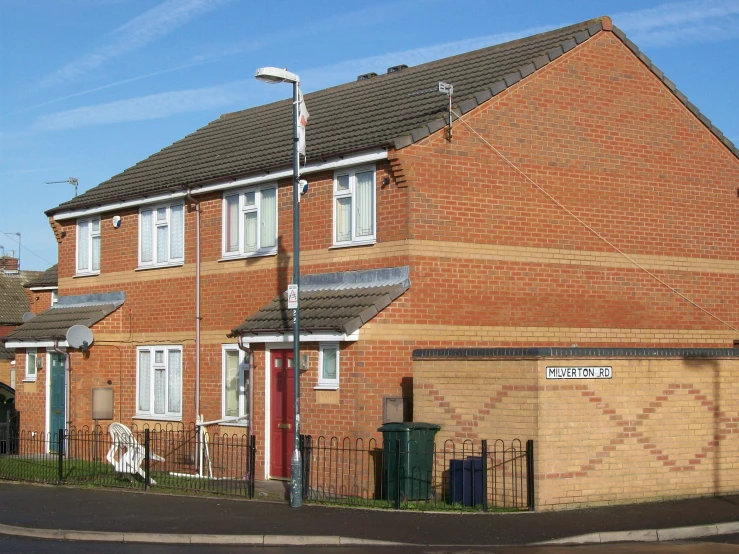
x=110 y=510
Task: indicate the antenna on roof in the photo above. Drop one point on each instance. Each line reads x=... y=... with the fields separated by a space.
x=448 y=89
x=70 y=180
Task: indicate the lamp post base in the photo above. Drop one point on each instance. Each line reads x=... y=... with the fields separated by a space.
x=296 y=480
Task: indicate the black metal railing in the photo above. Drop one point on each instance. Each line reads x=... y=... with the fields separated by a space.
x=475 y=475
x=172 y=458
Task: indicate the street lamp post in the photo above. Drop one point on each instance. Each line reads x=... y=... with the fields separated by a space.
x=273 y=75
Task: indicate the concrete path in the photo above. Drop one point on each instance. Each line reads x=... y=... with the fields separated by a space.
x=75 y=513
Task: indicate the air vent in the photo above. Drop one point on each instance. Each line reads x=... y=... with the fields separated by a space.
x=366 y=76
x=396 y=68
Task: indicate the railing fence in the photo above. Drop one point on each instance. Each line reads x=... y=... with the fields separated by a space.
x=168 y=458
x=411 y=474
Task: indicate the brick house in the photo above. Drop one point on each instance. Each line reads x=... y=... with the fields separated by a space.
x=580 y=208
x=14 y=302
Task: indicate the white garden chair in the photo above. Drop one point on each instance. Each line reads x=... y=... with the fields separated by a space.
x=125 y=454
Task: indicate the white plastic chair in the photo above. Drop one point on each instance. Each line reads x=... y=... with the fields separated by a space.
x=125 y=454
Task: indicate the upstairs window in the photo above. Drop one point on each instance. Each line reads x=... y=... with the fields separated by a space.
x=88 y=246
x=354 y=207
x=162 y=236
x=250 y=222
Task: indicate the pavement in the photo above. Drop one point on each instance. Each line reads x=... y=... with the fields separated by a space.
x=54 y=512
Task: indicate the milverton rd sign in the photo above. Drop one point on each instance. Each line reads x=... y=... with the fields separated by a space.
x=579 y=372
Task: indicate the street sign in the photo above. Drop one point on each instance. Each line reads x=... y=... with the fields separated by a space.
x=292 y=297
x=579 y=372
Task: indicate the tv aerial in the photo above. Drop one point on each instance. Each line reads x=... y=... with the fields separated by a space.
x=79 y=337
x=70 y=180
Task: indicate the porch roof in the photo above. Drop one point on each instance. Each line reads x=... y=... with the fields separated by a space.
x=53 y=323
x=334 y=302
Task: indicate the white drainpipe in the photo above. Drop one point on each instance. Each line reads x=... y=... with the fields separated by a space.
x=197 y=304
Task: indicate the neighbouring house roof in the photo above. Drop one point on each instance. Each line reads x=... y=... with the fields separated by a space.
x=6 y=353
x=53 y=323
x=331 y=302
x=13 y=300
x=49 y=278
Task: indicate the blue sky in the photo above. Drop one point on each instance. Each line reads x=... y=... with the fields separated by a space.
x=90 y=87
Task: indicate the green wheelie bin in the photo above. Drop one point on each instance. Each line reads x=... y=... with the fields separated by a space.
x=408 y=460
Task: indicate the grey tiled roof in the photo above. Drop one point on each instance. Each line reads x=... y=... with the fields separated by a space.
x=345 y=118
x=341 y=311
x=13 y=301
x=53 y=323
x=49 y=278
x=332 y=302
x=395 y=109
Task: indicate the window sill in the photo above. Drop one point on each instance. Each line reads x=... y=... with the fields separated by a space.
x=78 y=275
x=365 y=243
x=163 y=266
x=234 y=424
x=29 y=380
x=326 y=387
x=247 y=256
x=158 y=418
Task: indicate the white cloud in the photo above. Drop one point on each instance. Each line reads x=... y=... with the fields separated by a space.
x=153 y=106
x=682 y=23
x=157 y=106
x=134 y=35
x=693 y=21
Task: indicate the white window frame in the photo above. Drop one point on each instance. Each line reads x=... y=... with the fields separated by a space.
x=154 y=247
x=90 y=234
x=54 y=297
x=243 y=209
x=31 y=376
x=351 y=193
x=244 y=385
x=152 y=357
x=328 y=384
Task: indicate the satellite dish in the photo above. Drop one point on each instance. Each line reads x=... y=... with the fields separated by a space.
x=80 y=337
x=28 y=316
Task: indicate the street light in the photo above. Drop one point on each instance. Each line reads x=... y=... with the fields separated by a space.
x=274 y=75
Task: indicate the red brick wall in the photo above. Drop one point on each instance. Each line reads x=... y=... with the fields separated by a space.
x=38 y=300
x=599 y=132
x=162 y=301
x=595 y=128
x=30 y=396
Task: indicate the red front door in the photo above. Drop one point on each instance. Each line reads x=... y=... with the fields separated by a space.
x=282 y=413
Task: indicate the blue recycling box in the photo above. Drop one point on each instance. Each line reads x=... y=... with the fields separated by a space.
x=465 y=481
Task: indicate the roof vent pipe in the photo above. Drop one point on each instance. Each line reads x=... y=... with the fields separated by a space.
x=396 y=68
x=366 y=76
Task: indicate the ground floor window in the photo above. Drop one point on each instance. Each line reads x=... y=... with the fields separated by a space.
x=31 y=362
x=328 y=366
x=235 y=384
x=159 y=381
